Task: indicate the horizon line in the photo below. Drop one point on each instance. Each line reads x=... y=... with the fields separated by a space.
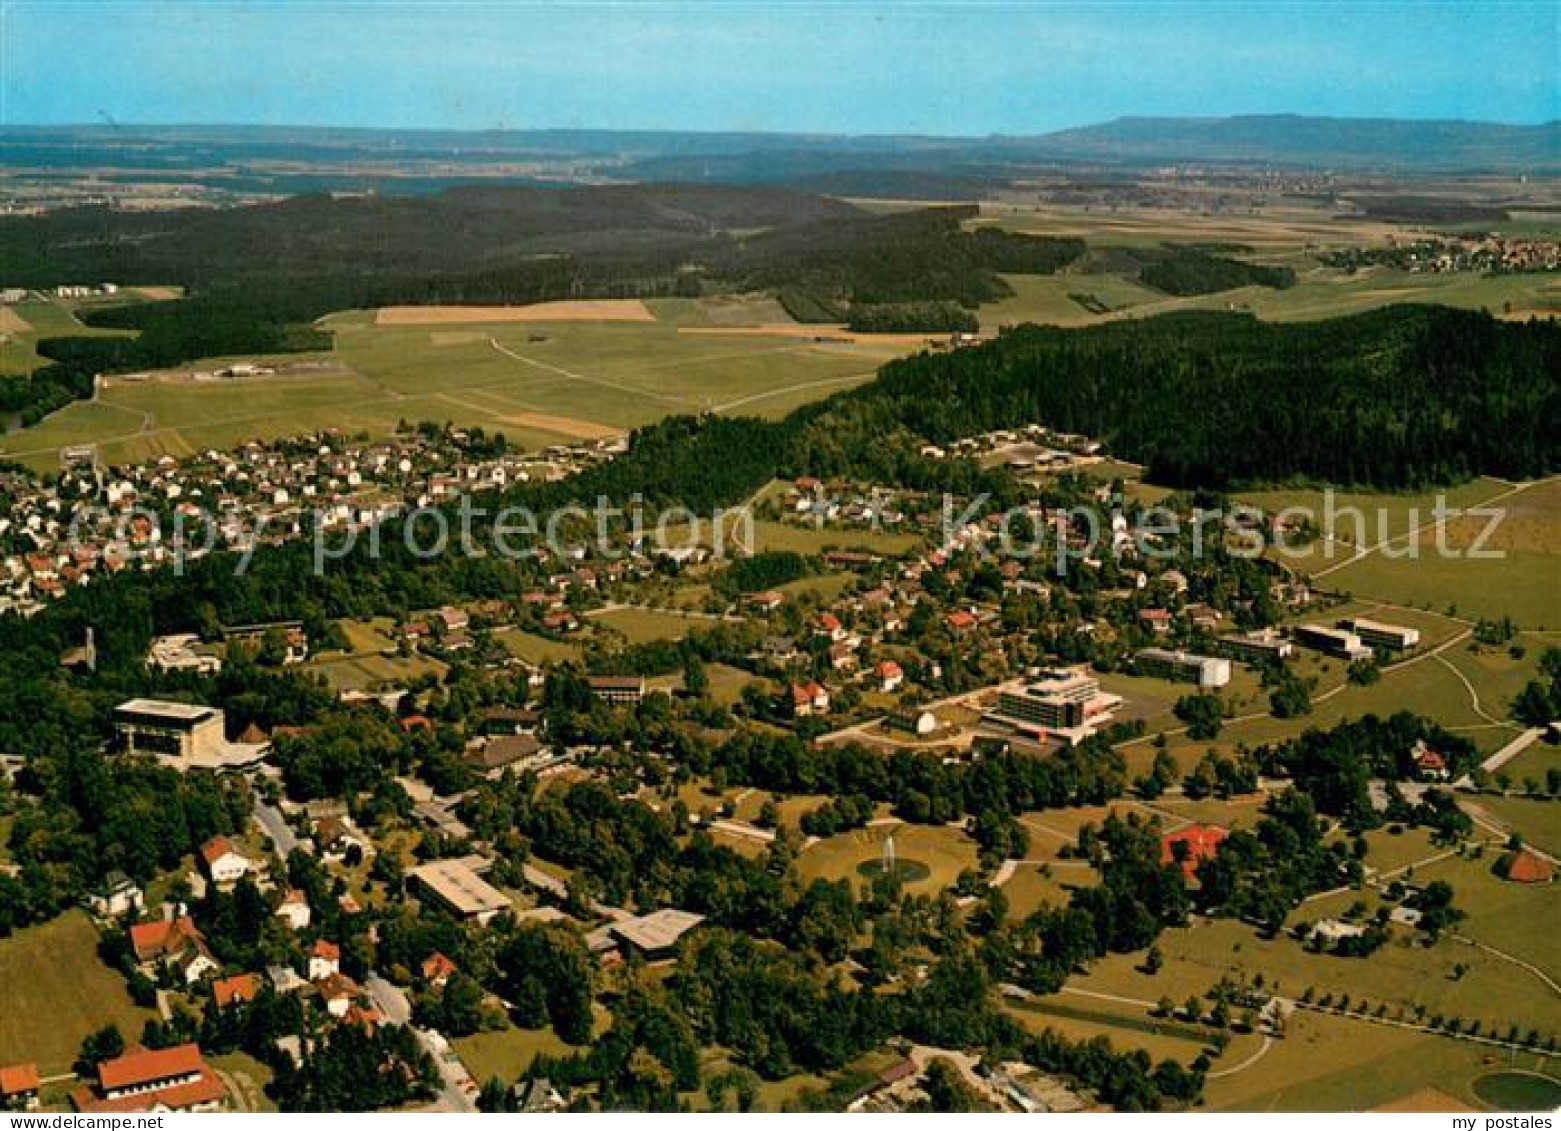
x=113 y=124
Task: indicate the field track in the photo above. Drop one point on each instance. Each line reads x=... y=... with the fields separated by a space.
x=595 y=310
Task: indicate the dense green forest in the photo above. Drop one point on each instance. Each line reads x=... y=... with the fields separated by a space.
x=1189 y=271
x=1397 y=397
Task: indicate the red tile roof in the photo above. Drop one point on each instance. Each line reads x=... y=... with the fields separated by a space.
x=147 y=1066
x=1525 y=867
x=1202 y=841
x=326 y=950
x=216 y=848
x=208 y=1089
x=18 y=1079
x=240 y=987
x=166 y=936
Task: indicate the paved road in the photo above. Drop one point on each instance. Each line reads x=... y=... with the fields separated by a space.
x=271 y=822
x=459 y=1092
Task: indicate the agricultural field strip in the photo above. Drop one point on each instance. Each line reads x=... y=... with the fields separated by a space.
x=1362 y=552
x=606 y=384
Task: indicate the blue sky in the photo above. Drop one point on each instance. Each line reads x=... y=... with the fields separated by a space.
x=940 y=68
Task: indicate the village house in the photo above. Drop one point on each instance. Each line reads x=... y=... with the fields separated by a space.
x=809 y=698
x=324 y=960
x=294 y=910
x=436 y=969
x=224 y=864
x=889 y=676
x=240 y=989
x=19 y=1087
x=116 y=895
x=172 y=943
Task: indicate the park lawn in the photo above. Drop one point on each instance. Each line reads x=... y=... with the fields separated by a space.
x=1029 y=888
x=1535 y=762
x=1326 y=1063
x=944 y=851
x=507 y=1053
x=1127 y=1028
x=1402 y=974
x=55 y=991
x=1236 y=813
x=1051 y=829
x=1537 y=820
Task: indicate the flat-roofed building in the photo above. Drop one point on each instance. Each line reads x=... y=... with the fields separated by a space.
x=1055 y=708
x=1378 y=634
x=1334 y=641
x=461 y=891
x=1184 y=667
x=184 y=734
x=1056 y=699
x=656 y=935
x=1265 y=646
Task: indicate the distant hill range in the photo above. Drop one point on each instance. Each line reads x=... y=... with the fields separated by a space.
x=258 y=158
x=1290 y=139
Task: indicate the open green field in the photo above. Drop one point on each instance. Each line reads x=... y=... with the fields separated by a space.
x=54 y=991
x=1387 y=547
x=24 y=324
x=638 y=626
x=1498 y=992
x=1337 y=1064
x=508 y=1052
x=1536 y=820
x=363 y=673
x=1280 y=235
x=536 y=649
x=1081 y=1019
x=767 y=535
x=539 y=383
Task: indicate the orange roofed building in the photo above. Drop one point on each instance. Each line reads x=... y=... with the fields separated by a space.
x=173 y=1079
x=1202 y=843
x=18 y=1087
